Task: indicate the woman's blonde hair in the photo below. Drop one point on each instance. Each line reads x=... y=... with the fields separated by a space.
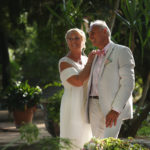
x=82 y=34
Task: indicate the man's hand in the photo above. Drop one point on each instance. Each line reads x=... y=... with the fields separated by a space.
x=111 y=118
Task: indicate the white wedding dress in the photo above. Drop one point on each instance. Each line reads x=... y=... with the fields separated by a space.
x=72 y=120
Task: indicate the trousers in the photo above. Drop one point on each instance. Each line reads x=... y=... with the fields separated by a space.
x=97 y=121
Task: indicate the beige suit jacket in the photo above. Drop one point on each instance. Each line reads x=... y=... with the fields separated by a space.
x=116 y=82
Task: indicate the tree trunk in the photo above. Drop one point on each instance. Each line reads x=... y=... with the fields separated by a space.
x=4 y=60
x=145 y=90
x=131 y=127
x=113 y=18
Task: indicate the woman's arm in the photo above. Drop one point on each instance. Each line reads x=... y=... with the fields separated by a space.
x=78 y=80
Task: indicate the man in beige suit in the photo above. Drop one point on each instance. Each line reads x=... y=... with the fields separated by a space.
x=110 y=84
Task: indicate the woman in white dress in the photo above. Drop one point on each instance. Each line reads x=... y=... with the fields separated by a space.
x=74 y=71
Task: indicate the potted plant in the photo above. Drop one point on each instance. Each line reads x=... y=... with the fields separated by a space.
x=22 y=99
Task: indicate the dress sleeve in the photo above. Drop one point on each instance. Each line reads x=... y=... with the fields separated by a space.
x=67 y=73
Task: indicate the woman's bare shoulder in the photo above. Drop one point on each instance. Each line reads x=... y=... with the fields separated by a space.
x=64 y=65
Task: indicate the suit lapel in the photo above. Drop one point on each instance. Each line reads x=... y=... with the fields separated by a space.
x=91 y=74
x=105 y=58
x=93 y=64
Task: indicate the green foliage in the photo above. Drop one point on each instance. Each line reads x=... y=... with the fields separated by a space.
x=55 y=143
x=144 y=131
x=29 y=133
x=135 y=18
x=46 y=143
x=138 y=89
x=130 y=17
x=15 y=68
x=143 y=26
x=29 y=136
x=45 y=44
x=111 y=144
x=21 y=95
x=36 y=31
x=55 y=84
x=53 y=106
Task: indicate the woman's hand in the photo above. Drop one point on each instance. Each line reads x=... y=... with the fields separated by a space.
x=91 y=56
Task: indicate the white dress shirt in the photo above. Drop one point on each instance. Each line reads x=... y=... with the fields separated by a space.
x=97 y=69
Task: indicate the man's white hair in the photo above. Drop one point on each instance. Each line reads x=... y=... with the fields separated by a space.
x=101 y=24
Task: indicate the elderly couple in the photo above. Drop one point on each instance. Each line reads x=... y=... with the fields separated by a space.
x=98 y=89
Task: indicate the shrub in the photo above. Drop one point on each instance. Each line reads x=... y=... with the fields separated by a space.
x=111 y=144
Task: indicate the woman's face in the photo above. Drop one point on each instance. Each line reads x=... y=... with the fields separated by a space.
x=74 y=41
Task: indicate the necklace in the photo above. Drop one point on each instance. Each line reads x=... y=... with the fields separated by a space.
x=75 y=58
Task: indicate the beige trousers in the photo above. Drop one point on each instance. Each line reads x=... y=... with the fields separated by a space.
x=97 y=121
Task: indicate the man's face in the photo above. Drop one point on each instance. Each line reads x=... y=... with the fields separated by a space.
x=97 y=36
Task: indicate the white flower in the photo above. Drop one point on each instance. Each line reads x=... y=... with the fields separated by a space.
x=91 y=146
x=38 y=88
x=25 y=94
x=18 y=83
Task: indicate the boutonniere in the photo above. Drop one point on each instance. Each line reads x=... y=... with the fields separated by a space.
x=107 y=61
